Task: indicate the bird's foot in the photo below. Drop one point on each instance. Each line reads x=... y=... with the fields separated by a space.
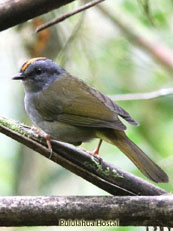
x=36 y=130
x=95 y=153
x=43 y=134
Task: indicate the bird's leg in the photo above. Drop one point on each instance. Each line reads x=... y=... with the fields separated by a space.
x=45 y=136
x=48 y=139
x=95 y=153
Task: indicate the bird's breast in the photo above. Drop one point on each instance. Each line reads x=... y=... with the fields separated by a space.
x=31 y=109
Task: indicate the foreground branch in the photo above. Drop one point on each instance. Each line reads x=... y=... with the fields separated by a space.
x=104 y=175
x=15 y=12
x=53 y=211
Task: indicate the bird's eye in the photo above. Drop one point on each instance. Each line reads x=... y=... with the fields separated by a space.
x=38 y=71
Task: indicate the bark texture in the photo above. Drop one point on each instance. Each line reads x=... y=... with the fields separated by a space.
x=126 y=211
x=15 y=12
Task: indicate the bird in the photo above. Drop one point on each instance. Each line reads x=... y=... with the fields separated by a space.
x=67 y=109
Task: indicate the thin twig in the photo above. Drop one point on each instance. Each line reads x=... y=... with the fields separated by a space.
x=65 y=16
x=145 y=5
x=104 y=175
x=78 y=210
x=157 y=49
x=63 y=53
x=143 y=96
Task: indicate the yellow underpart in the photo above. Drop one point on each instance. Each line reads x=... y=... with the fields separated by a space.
x=25 y=65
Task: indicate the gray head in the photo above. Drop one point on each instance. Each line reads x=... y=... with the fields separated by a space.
x=38 y=73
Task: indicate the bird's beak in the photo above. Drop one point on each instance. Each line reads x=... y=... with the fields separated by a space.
x=19 y=76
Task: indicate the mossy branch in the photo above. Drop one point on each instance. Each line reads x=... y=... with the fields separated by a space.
x=102 y=174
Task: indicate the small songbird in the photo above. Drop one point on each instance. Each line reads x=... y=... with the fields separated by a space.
x=69 y=110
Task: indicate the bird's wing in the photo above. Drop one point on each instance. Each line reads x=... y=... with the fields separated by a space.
x=114 y=107
x=72 y=101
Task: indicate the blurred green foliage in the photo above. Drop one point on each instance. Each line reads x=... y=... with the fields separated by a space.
x=92 y=48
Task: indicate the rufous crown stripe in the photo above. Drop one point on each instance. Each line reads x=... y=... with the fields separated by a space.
x=27 y=63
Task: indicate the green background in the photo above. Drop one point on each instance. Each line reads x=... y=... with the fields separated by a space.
x=92 y=47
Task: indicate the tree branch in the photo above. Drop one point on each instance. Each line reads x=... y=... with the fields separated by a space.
x=156 y=49
x=143 y=96
x=15 y=12
x=104 y=175
x=65 y=16
x=53 y=211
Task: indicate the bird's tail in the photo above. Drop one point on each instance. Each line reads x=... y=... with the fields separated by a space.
x=136 y=155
